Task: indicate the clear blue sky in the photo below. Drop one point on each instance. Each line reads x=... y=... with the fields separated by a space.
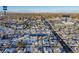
x=42 y=8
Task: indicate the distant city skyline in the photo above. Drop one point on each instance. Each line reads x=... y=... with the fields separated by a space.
x=52 y=9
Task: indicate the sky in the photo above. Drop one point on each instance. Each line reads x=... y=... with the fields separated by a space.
x=41 y=9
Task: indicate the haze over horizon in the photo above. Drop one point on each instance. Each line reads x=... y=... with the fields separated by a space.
x=38 y=9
